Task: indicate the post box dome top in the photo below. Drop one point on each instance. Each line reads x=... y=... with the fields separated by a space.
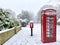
x=49 y=11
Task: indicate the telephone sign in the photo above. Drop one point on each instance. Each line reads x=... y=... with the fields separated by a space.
x=48 y=26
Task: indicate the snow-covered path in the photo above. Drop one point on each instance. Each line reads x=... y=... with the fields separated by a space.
x=23 y=37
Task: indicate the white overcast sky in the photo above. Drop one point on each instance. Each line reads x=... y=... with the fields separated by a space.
x=30 y=5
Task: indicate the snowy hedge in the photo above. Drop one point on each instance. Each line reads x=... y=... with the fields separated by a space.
x=7 y=20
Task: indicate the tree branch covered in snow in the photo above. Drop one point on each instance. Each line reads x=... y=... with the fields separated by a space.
x=6 y=19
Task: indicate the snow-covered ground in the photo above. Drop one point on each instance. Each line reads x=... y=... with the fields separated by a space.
x=23 y=37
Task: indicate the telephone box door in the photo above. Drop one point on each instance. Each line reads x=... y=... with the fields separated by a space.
x=51 y=28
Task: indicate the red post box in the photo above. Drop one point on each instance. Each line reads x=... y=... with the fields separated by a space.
x=48 y=25
x=31 y=25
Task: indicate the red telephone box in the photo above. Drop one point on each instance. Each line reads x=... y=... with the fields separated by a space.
x=48 y=25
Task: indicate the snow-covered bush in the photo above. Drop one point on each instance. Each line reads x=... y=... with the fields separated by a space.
x=24 y=22
x=11 y=25
x=1 y=27
x=7 y=20
x=16 y=23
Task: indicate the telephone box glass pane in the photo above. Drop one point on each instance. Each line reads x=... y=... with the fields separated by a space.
x=49 y=33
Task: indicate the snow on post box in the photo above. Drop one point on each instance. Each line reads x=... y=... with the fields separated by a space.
x=48 y=25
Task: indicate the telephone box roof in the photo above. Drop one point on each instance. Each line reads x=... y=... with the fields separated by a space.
x=49 y=11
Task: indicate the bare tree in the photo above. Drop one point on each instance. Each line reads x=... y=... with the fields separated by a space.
x=25 y=15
